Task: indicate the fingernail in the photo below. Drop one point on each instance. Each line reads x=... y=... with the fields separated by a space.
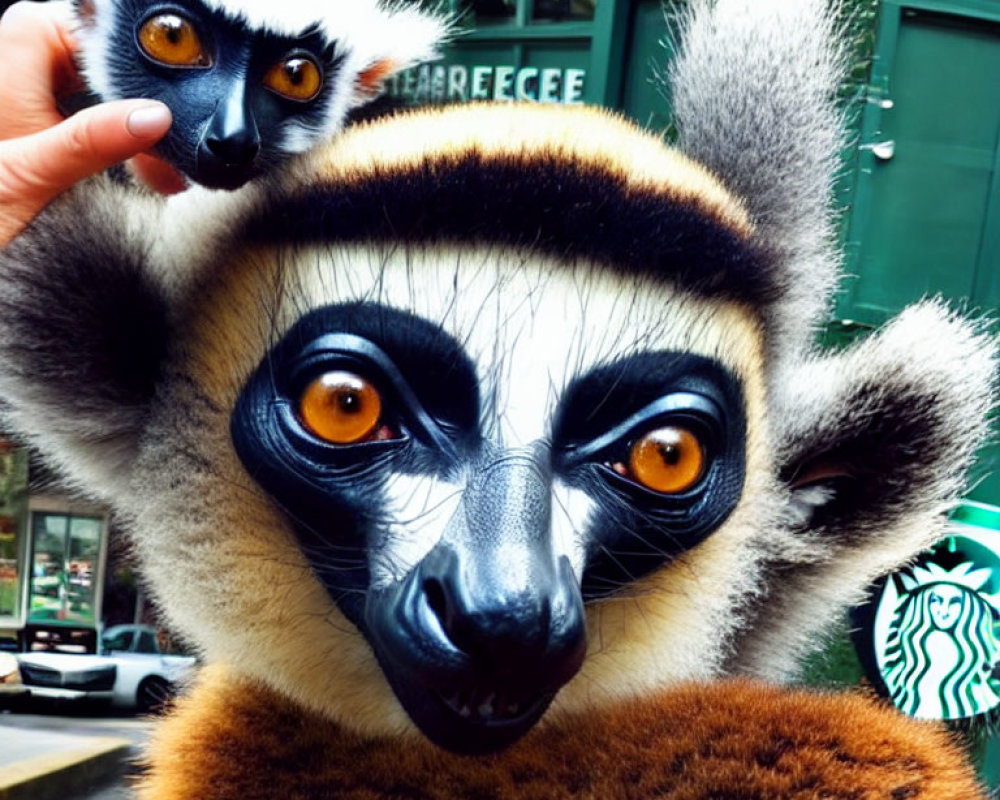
x=149 y=121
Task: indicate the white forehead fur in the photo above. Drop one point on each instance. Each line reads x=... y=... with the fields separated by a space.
x=370 y=26
x=358 y=18
x=530 y=326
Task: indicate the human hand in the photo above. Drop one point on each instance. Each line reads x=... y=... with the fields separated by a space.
x=41 y=153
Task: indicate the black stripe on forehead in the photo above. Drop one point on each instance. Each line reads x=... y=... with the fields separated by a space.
x=558 y=207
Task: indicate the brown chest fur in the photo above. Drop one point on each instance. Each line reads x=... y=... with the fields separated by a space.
x=231 y=740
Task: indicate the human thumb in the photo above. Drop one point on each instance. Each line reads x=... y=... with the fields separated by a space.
x=34 y=169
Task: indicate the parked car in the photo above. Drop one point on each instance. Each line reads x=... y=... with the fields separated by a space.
x=130 y=672
x=12 y=689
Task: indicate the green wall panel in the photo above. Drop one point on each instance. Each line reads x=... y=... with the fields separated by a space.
x=929 y=206
x=926 y=220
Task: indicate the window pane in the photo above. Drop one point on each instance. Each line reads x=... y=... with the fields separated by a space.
x=13 y=493
x=48 y=593
x=488 y=11
x=120 y=641
x=559 y=10
x=84 y=549
x=64 y=558
x=147 y=643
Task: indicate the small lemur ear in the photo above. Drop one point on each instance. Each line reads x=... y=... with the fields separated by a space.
x=403 y=35
x=874 y=446
x=369 y=83
x=85 y=11
x=84 y=334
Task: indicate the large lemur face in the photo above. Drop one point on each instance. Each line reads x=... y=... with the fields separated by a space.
x=484 y=414
x=471 y=466
x=247 y=87
x=462 y=461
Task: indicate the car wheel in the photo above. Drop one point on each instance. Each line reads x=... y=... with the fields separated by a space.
x=153 y=694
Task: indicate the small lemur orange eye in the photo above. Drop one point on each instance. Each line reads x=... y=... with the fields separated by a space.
x=297 y=78
x=340 y=407
x=172 y=40
x=668 y=460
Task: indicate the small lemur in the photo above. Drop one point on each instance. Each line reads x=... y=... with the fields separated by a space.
x=500 y=430
x=249 y=82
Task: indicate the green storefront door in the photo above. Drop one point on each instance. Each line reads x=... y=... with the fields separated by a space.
x=926 y=212
x=927 y=216
x=65 y=570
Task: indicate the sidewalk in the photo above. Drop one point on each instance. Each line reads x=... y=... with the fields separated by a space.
x=50 y=765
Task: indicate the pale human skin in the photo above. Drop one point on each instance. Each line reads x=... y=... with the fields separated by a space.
x=42 y=153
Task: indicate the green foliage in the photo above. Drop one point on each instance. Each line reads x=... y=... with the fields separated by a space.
x=859 y=19
x=837 y=663
x=8 y=595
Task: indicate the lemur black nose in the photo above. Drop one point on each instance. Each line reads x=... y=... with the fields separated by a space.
x=478 y=637
x=235 y=150
x=538 y=632
x=499 y=591
x=232 y=135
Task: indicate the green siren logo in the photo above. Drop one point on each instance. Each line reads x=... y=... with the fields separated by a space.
x=935 y=632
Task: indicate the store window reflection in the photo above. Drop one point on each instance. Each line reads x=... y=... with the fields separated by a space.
x=8 y=566
x=13 y=499
x=65 y=553
x=559 y=10
x=493 y=11
x=488 y=11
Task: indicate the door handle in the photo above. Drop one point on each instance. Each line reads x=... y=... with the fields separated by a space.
x=885 y=103
x=883 y=151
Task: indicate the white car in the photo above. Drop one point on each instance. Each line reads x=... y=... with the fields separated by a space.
x=12 y=690
x=131 y=672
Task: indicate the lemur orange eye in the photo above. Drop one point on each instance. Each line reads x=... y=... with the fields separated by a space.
x=668 y=460
x=340 y=407
x=172 y=40
x=297 y=78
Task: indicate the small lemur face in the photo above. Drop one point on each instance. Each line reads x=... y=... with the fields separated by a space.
x=242 y=99
x=249 y=83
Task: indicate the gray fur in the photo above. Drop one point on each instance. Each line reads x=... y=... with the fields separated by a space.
x=771 y=132
x=68 y=392
x=922 y=416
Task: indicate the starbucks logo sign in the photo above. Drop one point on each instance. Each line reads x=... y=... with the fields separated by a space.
x=930 y=636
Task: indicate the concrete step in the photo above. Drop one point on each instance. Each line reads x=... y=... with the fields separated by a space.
x=44 y=765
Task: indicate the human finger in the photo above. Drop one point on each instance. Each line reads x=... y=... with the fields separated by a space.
x=34 y=169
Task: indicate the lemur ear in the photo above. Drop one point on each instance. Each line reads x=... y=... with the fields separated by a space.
x=85 y=333
x=85 y=11
x=369 y=83
x=874 y=439
x=875 y=444
x=403 y=36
